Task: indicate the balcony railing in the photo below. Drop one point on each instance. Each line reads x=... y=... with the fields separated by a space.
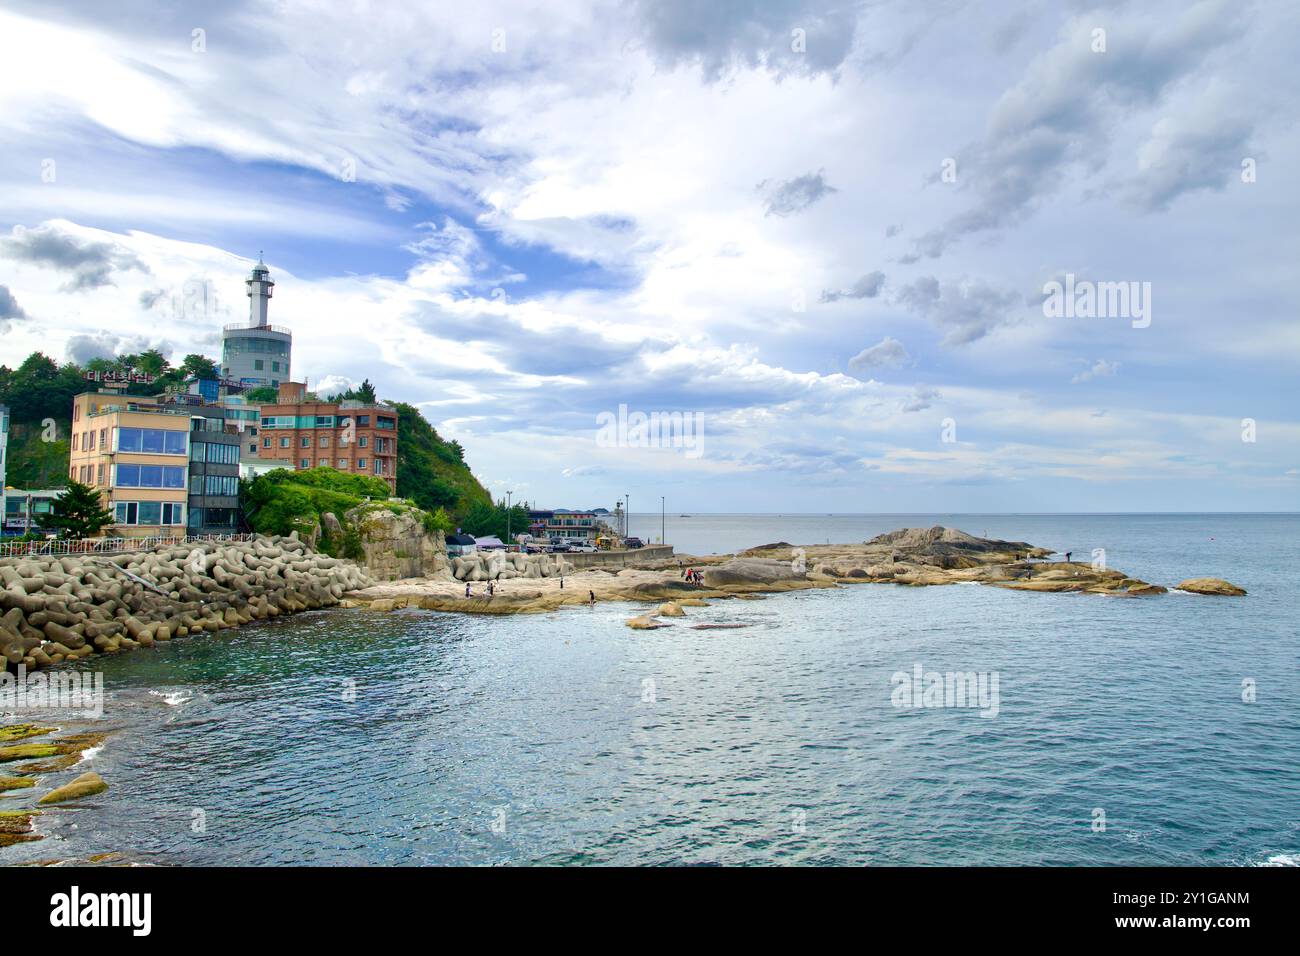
x=245 y=327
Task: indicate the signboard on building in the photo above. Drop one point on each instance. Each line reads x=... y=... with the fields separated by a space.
x=120 y=379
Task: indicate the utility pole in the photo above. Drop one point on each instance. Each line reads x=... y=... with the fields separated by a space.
x=508 y=494
x=627 y=514
x=663 y=522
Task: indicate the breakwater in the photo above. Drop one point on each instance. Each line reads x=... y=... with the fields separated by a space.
x=54 y=609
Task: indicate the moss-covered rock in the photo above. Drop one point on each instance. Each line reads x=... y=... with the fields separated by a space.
x=27 y=752
x=87 y=785
x=22 y=732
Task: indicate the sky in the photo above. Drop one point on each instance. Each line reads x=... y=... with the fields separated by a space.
x=817 y=238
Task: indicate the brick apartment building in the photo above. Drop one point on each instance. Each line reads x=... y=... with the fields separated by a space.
x=349 y=436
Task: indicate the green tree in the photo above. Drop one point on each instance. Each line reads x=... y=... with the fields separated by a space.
x=78 y=512
x=262 y=395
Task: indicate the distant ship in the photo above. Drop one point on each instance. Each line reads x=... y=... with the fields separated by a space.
x=683 y=516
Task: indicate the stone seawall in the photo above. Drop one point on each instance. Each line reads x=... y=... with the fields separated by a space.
x=54 y=609
x=621 y=559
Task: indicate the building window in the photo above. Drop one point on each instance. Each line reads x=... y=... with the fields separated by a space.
x=257 y=365
x=284 y=442
x=361 y=464
x=91 y=433
x=363 y=441
x=103 y=438
x=305 y=442
x=227 y=485
x=266 y=443
x=125 y=512
x=99 y=474
x=343 y=464
x=363 y=421
x=149 y=476
x=151 y=441
x=304 y=463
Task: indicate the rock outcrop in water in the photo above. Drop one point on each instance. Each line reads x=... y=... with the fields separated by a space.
x=913 y=557
x=1211 y=586
x=54 y=609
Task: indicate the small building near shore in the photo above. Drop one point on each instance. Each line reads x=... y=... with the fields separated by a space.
x=489 y=543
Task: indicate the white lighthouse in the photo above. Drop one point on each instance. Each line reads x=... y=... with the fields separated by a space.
x=257 y=354
x=259 y=293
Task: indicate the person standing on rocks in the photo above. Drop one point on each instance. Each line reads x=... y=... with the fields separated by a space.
x=491 y=589
x=591 y=596
x=468 y=591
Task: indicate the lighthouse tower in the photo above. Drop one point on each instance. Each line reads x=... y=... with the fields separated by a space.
x=257 y=354
x=259 y=293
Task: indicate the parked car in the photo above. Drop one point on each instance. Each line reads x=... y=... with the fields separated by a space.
x=633 y=543
x=558 y=546
x=583 y=548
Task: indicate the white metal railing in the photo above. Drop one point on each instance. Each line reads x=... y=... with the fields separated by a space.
x=23 y=549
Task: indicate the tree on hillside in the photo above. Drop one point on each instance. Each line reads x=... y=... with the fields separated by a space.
x=77 y=512
x=365 y=392
x=430 y=471
x=40 y=388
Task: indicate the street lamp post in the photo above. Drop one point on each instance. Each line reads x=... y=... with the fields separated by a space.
x=508 y=494
x=663 y=522
x=627 y=514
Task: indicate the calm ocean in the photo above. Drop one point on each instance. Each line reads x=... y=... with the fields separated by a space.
x=1121 y=733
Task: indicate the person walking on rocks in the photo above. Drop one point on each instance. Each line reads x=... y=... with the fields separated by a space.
x=491 y=588
x=591 y=596
x=1067 y=556
x=468 y=592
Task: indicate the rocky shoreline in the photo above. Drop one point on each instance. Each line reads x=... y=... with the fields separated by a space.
x=914 y=557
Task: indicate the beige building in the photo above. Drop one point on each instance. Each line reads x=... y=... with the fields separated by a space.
x=136 y=453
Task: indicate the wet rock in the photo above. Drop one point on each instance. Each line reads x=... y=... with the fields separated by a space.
x=1211 y=586
x=643 y=622
x=87 y=785
x=671 y=609
x=16 y=827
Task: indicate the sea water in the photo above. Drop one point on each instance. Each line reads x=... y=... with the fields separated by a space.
x=1162 y=730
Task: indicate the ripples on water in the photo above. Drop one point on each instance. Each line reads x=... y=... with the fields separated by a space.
x=776 y=743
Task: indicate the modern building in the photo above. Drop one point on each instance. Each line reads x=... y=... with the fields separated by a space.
x=257 y=354
x=164 y=467
x=21 y=506
x=213 y=484
x=350 y=436
x=564 y=523
x=137 y=456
